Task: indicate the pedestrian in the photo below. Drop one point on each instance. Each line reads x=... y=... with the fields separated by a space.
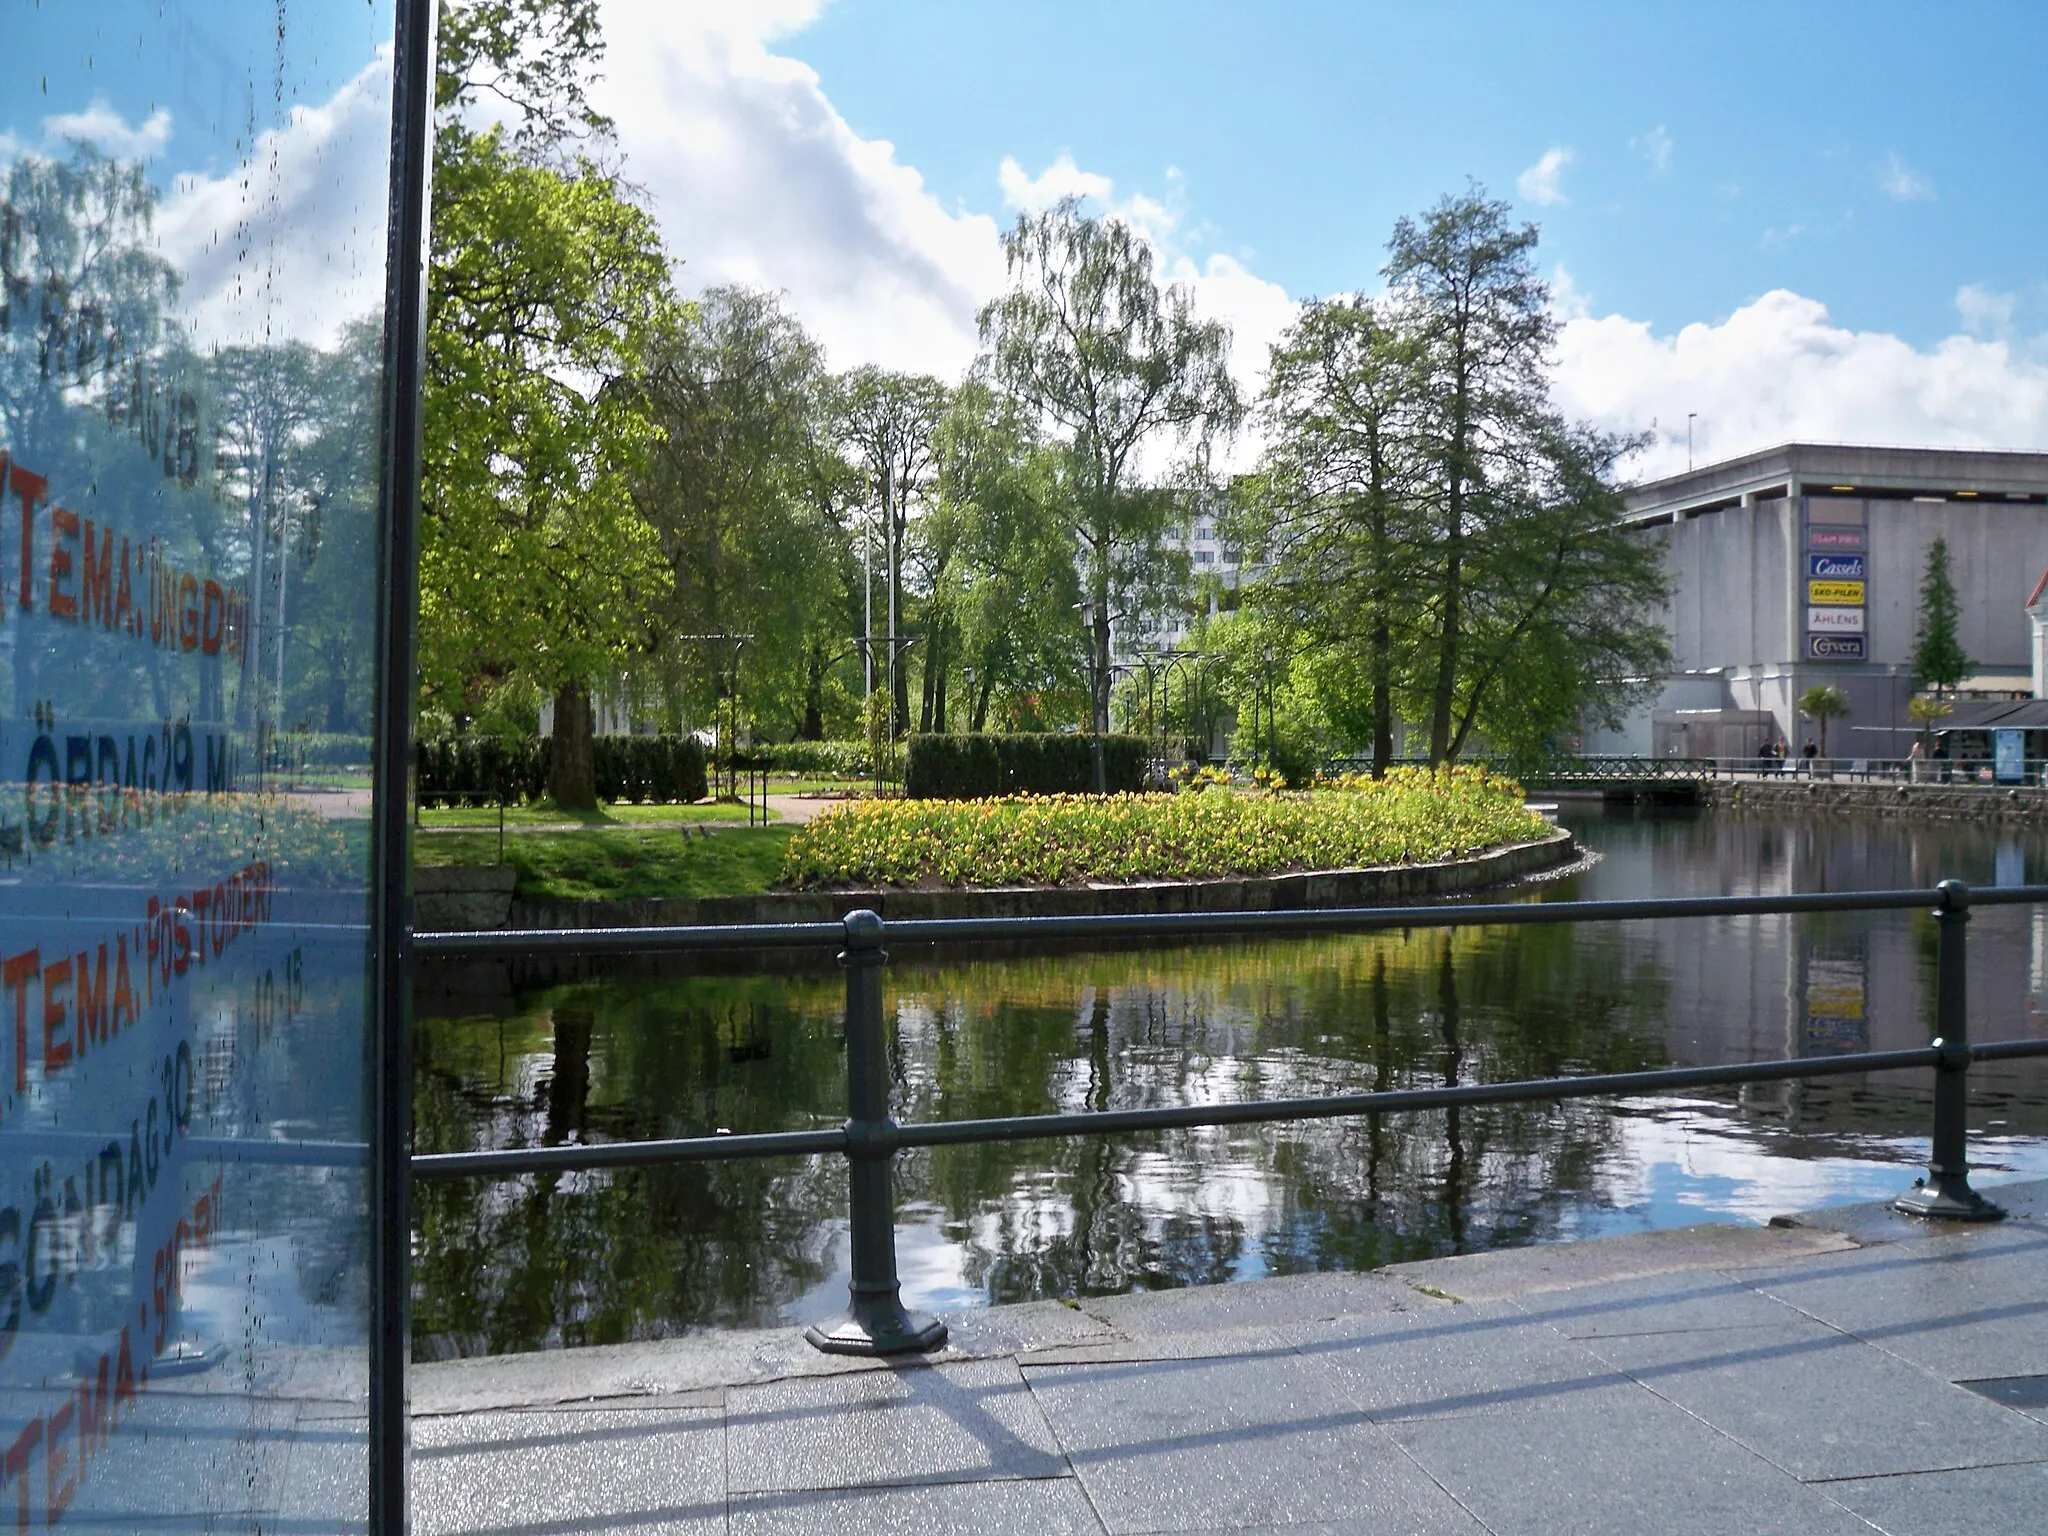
x=1916 y=762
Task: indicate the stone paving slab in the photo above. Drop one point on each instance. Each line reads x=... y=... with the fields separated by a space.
x=1193 y=1444
x=973 y=1422
x=1983 y=1501
x=1834 y=1374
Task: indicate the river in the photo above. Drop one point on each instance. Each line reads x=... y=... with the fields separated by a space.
x=544 y=1262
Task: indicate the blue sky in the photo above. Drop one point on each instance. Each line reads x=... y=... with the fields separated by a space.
x=1820 y=221
x=1876 y=156
x=271 y=154
x=210 y=65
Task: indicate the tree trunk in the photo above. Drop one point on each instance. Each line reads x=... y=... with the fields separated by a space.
x=1454 y=572
x=1099 y=706
x=813 y=728
x=572 y=764
x=928 y=706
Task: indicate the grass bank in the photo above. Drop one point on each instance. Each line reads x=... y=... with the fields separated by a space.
x=622 y=863
x=547 y=814
x=1412 y=816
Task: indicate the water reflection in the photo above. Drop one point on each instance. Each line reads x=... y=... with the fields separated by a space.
x=607 y=1257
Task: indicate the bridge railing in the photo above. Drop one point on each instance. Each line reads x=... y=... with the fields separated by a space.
x=876 y=1322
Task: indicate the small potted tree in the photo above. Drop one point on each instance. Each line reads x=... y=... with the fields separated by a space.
x=1821 y=703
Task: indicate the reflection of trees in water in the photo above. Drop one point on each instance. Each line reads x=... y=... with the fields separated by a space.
x=596 y=1258
x=599 y=1257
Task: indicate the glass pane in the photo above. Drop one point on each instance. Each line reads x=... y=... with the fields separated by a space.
x=192 y=222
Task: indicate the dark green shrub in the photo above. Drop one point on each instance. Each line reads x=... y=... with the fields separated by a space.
x=475 y=770
x=974 y=766
x=823 y=759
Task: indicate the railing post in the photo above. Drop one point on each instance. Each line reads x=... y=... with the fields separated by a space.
x=874 y=1322
x=1946 y=1192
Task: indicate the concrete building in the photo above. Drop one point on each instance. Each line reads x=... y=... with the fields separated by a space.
x=1802 y=564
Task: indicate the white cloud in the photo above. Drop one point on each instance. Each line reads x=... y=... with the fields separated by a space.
x=1568 y=301
x=1655 y=147
x=289 y=244
x=1984 y=311
x=104 y=128
x=1901 y=182
x=1778 y=369
x=1063 y=178
x=757 y=179
x=1540 y=183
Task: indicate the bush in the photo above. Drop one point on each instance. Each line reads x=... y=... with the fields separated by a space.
x=979 y=766
x=475 y=770
x=1048 y=840
x=649 y=770
x=815 y=759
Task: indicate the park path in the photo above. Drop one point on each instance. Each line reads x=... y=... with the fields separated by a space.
x=1852 y=1371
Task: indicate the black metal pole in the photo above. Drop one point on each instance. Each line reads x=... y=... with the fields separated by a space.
x=874 y=1322
x=389 y=1057
x=1946 y=1192
x=1097 y=712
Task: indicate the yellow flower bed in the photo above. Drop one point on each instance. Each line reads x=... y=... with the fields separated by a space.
x=1410 y=816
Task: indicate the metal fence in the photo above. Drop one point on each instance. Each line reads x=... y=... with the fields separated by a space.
x=1961 y=770
x=876 y=1321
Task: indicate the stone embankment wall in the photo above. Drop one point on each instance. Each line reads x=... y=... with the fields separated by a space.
x=447 y=899
x=1926 y=802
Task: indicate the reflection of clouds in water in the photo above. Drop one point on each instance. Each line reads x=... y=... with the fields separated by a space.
x=1680 y=1162
x=289 y=244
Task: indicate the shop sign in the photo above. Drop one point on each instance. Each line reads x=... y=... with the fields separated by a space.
x=1835 y=594
x=1835 y=567
x=1834 y=621
x=2009 y=756
x=1834 y=647
x=1834 y=538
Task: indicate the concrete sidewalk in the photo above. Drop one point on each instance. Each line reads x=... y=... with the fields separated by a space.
x=1847 y=1373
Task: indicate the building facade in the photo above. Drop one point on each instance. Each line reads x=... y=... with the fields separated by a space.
x=1802 y=565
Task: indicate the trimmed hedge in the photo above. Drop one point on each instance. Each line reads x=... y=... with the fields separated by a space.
x=640 y=770
x=823 y=759
x=986 y=765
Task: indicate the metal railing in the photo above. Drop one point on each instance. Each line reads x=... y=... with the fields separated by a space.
x=1958 y=771
x=462 y=799
x=876 y=1322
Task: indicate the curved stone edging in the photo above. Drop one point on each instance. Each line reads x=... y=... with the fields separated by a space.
x=1384 y=885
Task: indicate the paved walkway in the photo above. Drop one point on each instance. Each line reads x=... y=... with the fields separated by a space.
x=1855 y=1372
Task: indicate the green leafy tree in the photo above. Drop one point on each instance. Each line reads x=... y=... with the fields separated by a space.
x=1923 y=710
x=887 y=422
x=1564 y=615
x=1939 y=660
x=1333 y=513
x=748 y=506
x=548 y=287
x=1823 y=702
x=1091 y=344
x=1465 y=282
x=1010 y=585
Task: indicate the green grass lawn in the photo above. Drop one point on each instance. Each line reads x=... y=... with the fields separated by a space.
x=618 y=863
x=546 y=814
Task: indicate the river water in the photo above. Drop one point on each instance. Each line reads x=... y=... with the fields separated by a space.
x=544 y=1262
